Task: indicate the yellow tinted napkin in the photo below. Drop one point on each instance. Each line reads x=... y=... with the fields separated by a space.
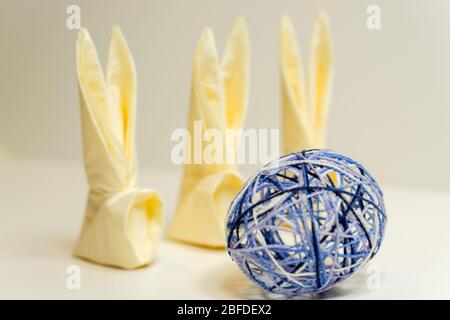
x=218 y=100
x=305 y=104
x=122 y=222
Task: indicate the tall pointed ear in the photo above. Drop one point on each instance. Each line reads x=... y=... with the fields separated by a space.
x=207 y=83
x=320 y=76
x=291 y=68
x=235 y=66
x=121 y=78
x=93 y=87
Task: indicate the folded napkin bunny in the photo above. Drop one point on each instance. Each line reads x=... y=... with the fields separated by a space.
x=305 y=105
x=218 y=100
x=122 y=223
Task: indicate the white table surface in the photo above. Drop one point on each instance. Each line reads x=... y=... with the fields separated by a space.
x=41 y=211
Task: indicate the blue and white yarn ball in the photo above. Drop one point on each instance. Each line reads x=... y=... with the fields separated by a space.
x=305 y=222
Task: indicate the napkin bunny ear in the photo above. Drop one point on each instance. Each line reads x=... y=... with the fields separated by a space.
x=121 y=79
x=95 y=105
x=305 y=105
x=122 y=223
x=218 y=100
x=207 y=84
x=235 y=66
x=320 y=77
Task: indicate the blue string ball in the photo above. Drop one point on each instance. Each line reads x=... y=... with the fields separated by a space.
x=305 y=222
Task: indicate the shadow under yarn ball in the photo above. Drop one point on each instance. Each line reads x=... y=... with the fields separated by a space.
x=305 y=222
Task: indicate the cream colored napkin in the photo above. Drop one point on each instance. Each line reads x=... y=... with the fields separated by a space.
x=122 y=223
x=305 y=104
x=219 y=100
